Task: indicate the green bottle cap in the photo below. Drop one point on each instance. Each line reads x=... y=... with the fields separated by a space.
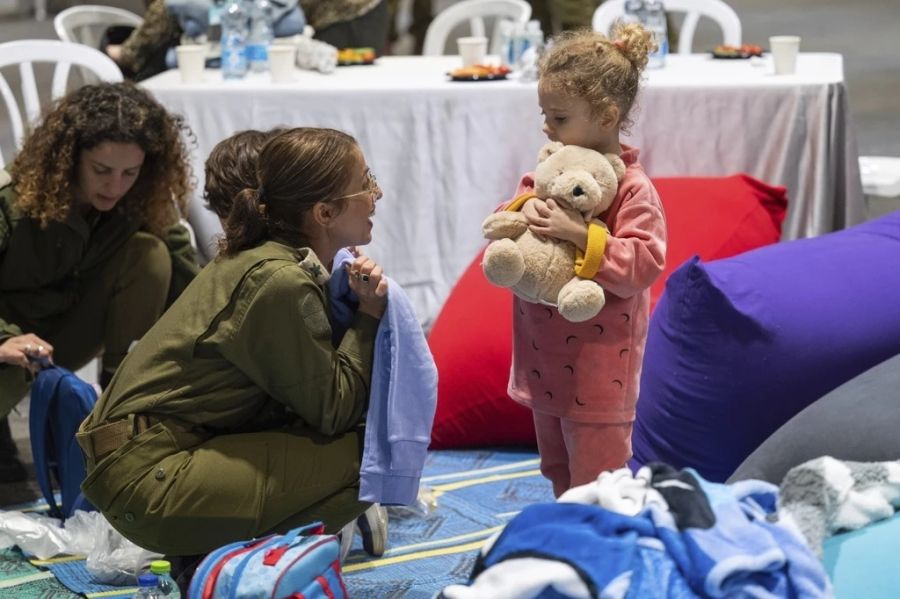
x=160 y=566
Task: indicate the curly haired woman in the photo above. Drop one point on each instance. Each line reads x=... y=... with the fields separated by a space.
x=90 y=245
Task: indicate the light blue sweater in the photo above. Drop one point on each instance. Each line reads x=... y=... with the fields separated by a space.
x=402 y=398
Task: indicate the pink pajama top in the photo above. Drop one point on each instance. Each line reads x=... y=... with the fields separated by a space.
x=590 y=371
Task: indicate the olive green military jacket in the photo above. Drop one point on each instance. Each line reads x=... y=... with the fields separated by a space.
x=40 y=268
x=248 y=346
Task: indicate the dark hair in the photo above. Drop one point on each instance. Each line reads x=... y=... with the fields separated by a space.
x=231 y=168
x=45 y=169
x=605 y=72
x=295 y=169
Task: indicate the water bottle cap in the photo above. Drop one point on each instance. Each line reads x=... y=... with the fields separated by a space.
x=147 y=580
x=160 y=566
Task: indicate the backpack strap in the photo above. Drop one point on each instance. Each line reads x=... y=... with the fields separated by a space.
x=43 y=395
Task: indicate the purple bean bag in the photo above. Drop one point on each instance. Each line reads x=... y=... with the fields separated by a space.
x=738 y=346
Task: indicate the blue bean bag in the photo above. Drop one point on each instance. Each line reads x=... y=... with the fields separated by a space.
x=738 y=346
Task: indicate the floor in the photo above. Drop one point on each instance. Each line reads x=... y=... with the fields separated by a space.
x=871 y=64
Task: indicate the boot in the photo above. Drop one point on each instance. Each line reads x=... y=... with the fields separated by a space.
x=11 y=468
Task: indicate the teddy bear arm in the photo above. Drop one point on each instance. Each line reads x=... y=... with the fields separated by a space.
x=504 y=224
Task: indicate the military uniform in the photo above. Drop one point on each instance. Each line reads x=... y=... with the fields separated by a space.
x=82 y=286
x=236 y=414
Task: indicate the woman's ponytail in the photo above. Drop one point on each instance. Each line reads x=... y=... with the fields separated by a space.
x=247 y=223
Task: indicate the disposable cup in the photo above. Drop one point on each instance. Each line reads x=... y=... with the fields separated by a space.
x=472 y=49
x=784 y=50
x=191 y=59
x=281 y=62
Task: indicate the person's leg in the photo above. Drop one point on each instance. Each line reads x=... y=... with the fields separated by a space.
x=229 y=488
x=119 y=302
x=11 y=468
x=594 y=448
x=552 y=447
x=368 y=30
x=574 y=14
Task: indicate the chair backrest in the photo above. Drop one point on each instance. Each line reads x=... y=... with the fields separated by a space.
x=24 y=54
x=85 y=24
x=473 y=11
x=729 y=22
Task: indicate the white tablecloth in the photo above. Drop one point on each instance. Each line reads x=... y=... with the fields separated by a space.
x=447 y=152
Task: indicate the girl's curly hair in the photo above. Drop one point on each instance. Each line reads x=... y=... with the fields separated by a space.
x=45 y=171
x=604 y=72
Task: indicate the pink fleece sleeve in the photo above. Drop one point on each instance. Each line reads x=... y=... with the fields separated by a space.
x=526 y=184
x=636 y=247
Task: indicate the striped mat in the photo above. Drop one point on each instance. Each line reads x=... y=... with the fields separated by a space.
x=470 y=495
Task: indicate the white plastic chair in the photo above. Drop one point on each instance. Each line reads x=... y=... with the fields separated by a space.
x=85 y=24
x=729 y=22
x=473 y=11
x=24 y=54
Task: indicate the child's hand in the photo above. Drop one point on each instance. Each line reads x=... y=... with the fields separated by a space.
x=557 y=221
x=530 y=212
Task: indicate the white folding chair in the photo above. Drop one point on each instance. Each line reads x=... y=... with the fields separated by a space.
x=24 y=54
x=85 y=24
x=473 y=11
x=729 y=22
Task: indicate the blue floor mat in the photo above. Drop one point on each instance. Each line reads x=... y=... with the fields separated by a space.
x=476 y=492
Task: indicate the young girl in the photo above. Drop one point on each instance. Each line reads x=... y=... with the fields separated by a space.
x=581 y=379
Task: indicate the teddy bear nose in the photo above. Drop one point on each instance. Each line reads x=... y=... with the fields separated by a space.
x=577 y=191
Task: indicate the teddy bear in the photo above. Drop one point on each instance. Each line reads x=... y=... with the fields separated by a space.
x=541 y=270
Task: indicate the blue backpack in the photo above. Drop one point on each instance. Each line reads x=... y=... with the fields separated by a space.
x=59 y=402
x=303 y=563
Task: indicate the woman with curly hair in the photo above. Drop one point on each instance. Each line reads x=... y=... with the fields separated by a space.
x=90 y=242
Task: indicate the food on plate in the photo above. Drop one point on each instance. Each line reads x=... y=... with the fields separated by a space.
x=742 y=51
x=477 y=71
x=347 y=56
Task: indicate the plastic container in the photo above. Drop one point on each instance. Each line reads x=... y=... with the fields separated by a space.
x=260 y=36
x=168 y=588
x=148 y=587
x=655 y=22
x=234 y=40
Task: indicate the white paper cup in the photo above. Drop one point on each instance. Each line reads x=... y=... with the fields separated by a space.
x=472 y=49
x=784 y=53
x=191 y=61
x=281 y=62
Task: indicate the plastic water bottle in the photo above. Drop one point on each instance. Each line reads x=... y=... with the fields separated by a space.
x=260 y=37
x=532 y=46
x=168 y=588
x=148 y=587
x=634 y=12
x=655 y=21
x=234 y=40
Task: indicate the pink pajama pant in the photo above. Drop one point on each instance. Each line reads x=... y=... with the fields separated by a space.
x=575 y=453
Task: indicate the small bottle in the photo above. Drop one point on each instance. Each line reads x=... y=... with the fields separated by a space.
x=505 y=33
x=634 y=12
x=655 y=21
x=260 y=37
x=532 y=48
x=234 y=40
x=168 y=588
x=148 y=587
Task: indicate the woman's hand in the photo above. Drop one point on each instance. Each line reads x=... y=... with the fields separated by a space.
x=367 y=280
x=18 y=350
x=557 y=221
x=114 y=51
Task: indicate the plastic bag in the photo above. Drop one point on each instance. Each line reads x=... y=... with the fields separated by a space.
x=426 y=503
x=111 y=558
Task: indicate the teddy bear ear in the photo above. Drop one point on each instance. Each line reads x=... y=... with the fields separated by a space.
x=548 y=149
x=618 y=165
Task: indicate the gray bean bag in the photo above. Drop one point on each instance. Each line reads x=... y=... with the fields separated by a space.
x=858 y=421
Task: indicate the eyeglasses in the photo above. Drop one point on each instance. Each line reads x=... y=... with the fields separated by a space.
x=371 y=187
